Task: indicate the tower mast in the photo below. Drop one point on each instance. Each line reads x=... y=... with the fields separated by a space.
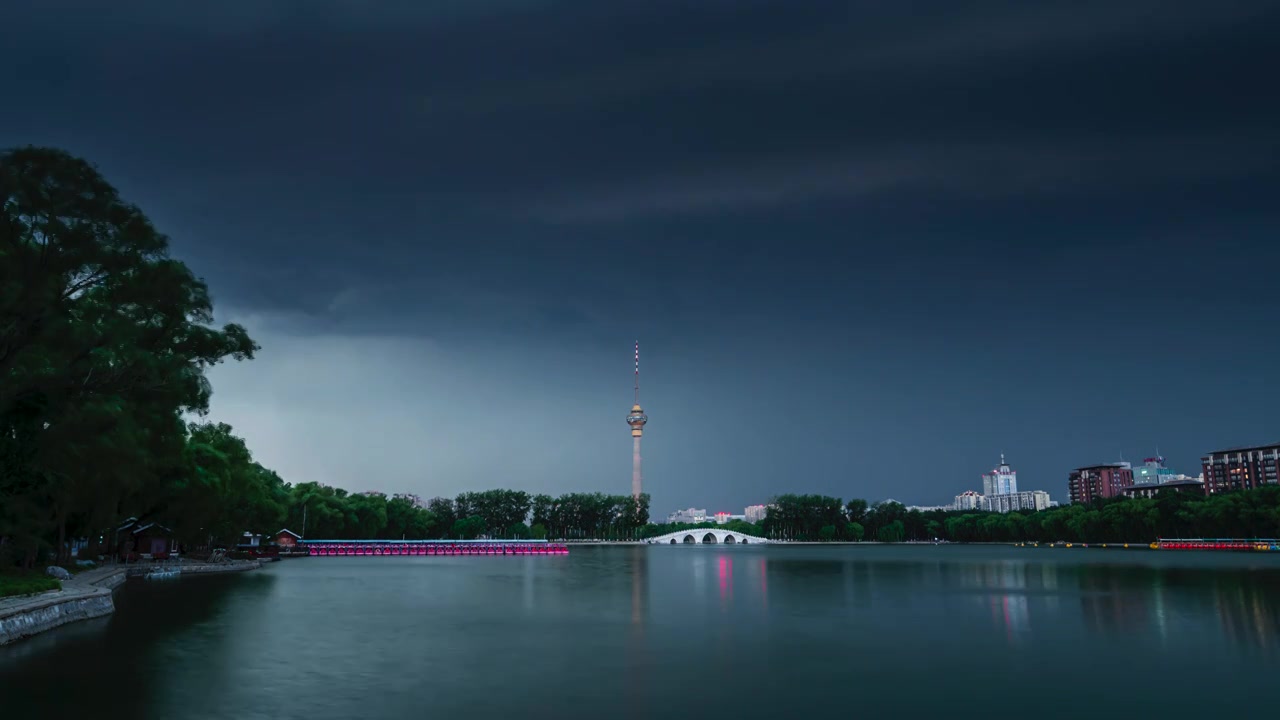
x=636 y=419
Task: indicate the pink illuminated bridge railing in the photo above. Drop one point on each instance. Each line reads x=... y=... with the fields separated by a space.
x=339 y=548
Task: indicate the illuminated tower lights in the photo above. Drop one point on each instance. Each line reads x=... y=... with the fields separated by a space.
x=636 y=419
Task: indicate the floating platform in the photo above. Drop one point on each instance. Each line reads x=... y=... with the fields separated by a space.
x=1237 y=544
x=428 y=548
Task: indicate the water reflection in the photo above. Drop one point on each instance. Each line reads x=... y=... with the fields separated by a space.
x=1111 y=599
x=1112 y=603
x=175 y=612
x=639 y=584
x=699 y=564
x=725 y=567
x=638 y=647
x=1249 y=612
x=629 y=628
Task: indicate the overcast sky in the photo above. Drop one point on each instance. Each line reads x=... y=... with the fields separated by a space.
x=866 y=247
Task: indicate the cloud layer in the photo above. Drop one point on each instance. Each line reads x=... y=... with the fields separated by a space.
x=868 y=245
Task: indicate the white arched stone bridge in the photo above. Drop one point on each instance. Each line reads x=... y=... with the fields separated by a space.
x=706 y=536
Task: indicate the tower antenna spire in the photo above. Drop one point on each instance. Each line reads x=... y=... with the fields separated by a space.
x=636 y=419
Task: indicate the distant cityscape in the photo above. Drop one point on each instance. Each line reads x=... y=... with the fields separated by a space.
x=1238 y=468
x=695 y=516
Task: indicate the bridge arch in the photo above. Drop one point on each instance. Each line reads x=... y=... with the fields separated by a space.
x=707 y=536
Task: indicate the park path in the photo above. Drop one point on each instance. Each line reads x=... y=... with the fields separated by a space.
x=103 y=579
x=84 y=584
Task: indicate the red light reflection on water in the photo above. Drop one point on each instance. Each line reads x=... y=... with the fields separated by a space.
x=764 y=582
x=726 y=577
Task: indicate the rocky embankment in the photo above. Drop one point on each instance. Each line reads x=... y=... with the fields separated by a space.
x=85 y=596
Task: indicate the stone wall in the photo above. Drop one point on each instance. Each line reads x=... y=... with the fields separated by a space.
x=112 y=581
x=45 y=614
x=84 y=597
x=196 y=568
x=234 y=566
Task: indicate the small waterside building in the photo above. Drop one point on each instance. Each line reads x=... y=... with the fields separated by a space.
x=147 y=540
x=287 y=539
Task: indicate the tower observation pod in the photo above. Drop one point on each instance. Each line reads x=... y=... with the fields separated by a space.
x=637 y=420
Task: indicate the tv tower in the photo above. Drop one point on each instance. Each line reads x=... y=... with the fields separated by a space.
x=636 y=419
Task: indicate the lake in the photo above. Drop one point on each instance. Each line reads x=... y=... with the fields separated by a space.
x=678 y=632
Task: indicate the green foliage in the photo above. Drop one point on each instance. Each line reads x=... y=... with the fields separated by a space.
x=593 y=516
x=332 y=513
x=468 y=528
x=801 y=517
x=1247 y=514
x=104 y=344
x=499 y=510
x=21 y=582
x=891 y=533
x=827 y=533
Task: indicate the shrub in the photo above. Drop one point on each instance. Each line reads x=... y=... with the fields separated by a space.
x=26 y=583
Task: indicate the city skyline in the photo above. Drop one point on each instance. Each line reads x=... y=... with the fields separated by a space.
x=868 y=246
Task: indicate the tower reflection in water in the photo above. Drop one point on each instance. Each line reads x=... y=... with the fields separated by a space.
x=639 y=586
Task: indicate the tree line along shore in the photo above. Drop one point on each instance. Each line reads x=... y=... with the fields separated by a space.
x=105 y=342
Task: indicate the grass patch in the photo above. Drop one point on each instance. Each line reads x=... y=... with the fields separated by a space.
x=25 y=582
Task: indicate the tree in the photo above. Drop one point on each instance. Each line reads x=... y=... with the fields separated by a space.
x=468 y=528
x=891 y=533
x=855 y=531
x=827 y=533
x=99 y=327
x=856 y=510
x=446 y=515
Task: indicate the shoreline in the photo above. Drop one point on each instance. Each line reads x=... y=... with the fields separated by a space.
x=86 y=596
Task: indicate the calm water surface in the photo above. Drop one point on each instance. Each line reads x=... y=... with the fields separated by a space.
x=675 y=632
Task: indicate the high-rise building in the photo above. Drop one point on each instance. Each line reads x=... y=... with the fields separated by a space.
x=1241 y=468
x=1152 y=472
x=968 y=500
x=1001 y=481
x=692 y=516
x=1086 y=484
x=637 y=420
x=413 y=499
x=1012 y=502
x=1182 y=484
x=755 y=513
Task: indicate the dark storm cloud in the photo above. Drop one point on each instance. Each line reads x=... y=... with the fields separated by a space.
x=967 y=170
x=888 y=224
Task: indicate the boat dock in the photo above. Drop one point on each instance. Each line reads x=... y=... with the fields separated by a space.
x=420 y=548
x=1238 y=544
